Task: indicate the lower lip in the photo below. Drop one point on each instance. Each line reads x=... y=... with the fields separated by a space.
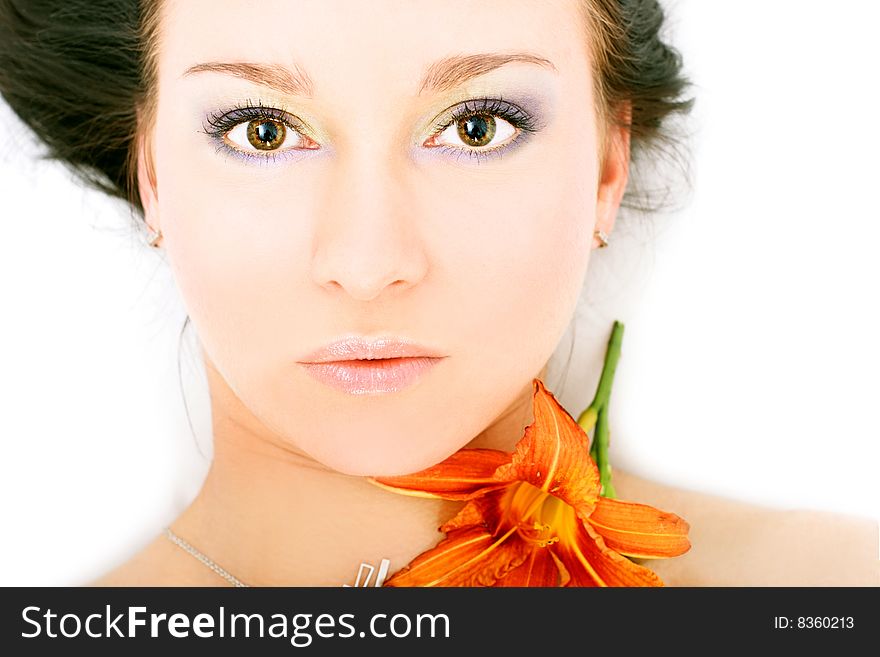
x=371 y=377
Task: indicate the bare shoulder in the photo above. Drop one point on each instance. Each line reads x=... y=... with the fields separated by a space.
x=160 y=563
x=738 y=544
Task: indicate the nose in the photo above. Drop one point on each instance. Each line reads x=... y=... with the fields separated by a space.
x=367 y=237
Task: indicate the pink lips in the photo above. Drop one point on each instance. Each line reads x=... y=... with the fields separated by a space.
x=360 y=366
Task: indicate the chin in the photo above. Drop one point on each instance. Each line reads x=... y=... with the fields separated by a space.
x=369 y=460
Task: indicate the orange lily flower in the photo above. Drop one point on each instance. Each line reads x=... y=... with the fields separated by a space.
x=535 y=517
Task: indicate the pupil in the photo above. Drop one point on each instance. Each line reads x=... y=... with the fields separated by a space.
x=265 y=135
x=478 y=129
x=267 y=132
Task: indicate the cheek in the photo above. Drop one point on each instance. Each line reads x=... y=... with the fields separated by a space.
x=234 y=257
x=519 y=271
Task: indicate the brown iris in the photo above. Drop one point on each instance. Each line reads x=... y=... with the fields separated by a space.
x=266 y=134
x=477 y=129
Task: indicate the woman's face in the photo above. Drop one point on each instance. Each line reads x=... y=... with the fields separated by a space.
x=370 y=198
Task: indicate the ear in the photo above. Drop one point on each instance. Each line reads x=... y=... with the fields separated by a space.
x=146 y=177
x=614 y=172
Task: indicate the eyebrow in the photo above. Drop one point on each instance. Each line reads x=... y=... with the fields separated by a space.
x=452 y=71
x=440 y=76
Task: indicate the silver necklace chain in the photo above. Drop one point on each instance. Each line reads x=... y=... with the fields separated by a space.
x=186 y=547
x=365 y=571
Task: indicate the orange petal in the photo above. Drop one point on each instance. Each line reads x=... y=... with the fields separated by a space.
x=639 y=530
x=554 y=455
x=466 y=557
x=591 y=563
x=541 y=568
x=465 y=474
x=485 y=511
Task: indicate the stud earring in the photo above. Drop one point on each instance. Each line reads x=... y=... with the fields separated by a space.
x=154 y=237
x=602 y=237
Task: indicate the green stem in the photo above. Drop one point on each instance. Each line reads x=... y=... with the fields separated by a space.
x=600 y=440
x=612 y=355
x=596 y=414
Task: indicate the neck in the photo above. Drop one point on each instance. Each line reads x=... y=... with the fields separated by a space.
x=272 y=516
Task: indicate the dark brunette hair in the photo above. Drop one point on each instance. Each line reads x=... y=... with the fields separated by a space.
x=633 y=66
x=81 y=74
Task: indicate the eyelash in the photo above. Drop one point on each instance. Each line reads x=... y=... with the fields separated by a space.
x=217 y=125
x=498 y=107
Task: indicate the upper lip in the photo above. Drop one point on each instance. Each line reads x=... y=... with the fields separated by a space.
x=358 y=348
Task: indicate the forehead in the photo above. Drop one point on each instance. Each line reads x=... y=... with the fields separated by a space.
x=353 y=46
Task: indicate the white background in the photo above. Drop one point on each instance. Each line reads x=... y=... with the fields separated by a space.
x=750 y=358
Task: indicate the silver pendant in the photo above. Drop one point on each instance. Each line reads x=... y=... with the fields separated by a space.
x=365 y=572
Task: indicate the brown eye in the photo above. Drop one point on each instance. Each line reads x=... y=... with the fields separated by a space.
x=476 y=130
x=266 y=134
